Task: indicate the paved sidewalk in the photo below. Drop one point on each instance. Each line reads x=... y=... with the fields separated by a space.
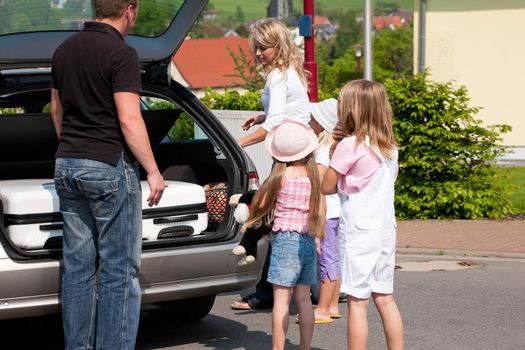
x=499 y=238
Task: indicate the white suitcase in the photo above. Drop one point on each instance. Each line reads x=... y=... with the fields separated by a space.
x=33 y=221
x=181 y=212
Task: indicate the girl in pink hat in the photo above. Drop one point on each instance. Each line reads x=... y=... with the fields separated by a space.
x=363 y=170
x=291 y=198
x=284 y=97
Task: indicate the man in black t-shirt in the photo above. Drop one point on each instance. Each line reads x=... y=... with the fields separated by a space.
x=95 y=108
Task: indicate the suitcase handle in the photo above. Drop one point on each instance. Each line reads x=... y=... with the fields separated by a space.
x=175 y=219
x=175 y=231
x=51 y=227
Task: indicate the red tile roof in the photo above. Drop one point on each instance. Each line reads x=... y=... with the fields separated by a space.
x=380 y=22
x=322 y=20
x=207 y=62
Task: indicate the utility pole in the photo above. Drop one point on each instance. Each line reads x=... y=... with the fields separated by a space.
x=306 y=29
x=367 y=29
x=422 y=36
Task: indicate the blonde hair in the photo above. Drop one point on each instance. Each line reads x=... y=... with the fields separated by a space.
x=269 y=33
x=325 y=138
x=263 y=203
x=363 y=109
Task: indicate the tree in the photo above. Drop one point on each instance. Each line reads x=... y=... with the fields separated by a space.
x=246 y=70
x=242 y=31
x=393 y=53
x=333 y=76
x=27 y=15
x=154 y=18
x=349 y=32
x=239 y=14
x=382 y=7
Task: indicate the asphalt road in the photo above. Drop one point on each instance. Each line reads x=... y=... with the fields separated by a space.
x=478 y=307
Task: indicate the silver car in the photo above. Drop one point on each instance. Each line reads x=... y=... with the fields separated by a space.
x=181 y=273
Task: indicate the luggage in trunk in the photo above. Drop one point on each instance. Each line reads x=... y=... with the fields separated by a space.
x=33 y=221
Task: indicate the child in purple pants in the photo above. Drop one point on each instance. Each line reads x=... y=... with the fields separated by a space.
x=323 y=121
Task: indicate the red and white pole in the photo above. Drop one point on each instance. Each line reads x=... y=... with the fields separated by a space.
x=309 y=53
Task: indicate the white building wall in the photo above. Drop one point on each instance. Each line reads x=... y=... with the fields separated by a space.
x=480 y=44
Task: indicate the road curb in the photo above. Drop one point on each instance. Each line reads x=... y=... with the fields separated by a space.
x=460 y=252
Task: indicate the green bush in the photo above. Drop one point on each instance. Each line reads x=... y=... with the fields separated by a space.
x=446 y=157
x=233 y=100
x=8 y=110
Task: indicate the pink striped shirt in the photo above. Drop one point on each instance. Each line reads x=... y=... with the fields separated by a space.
x=292 y=205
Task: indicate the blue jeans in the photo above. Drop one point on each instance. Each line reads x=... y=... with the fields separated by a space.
x=101 y=206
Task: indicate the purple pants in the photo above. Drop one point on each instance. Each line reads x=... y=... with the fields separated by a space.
x=329 y=257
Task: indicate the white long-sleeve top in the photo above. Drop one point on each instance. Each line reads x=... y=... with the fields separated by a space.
x=284 y=98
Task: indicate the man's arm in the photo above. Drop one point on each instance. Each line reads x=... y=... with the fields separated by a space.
x=135 y=133
x=56 y=111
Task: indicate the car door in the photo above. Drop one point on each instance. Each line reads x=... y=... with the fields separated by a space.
x=30 y=31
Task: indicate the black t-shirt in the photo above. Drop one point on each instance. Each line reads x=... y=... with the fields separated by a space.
x=87 y=69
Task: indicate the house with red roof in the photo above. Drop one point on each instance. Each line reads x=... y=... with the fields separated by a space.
x=207 y=63
x=321 y=21
x=324 y=28
x=390 y=22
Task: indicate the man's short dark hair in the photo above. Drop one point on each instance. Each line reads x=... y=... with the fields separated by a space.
x=112 y=8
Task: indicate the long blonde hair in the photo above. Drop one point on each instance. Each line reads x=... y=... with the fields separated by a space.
x=325 y=138
x=263 y=203
x=270 y=32
x=363 y=109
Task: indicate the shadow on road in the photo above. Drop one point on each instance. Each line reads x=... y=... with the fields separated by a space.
x=43 y=332
x=213 y=332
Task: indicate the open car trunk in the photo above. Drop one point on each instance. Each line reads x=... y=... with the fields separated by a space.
x=202 y=170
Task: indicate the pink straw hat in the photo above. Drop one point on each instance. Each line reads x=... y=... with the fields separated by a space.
x=291 y=141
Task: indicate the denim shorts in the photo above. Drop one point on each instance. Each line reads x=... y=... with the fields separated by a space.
x=293 y=259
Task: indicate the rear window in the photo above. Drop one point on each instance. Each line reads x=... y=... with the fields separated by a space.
x=19 y=16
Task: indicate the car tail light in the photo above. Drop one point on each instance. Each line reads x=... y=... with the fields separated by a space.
x=253 y=181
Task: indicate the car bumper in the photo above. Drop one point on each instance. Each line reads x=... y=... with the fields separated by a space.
x=31 y=288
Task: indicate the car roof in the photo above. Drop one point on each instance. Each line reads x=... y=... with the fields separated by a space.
x=33 y=45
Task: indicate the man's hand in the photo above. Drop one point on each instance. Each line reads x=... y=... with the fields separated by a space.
x=156 y=186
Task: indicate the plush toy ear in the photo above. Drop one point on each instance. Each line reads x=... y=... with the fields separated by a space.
x=241 y=213
x=234 y=199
